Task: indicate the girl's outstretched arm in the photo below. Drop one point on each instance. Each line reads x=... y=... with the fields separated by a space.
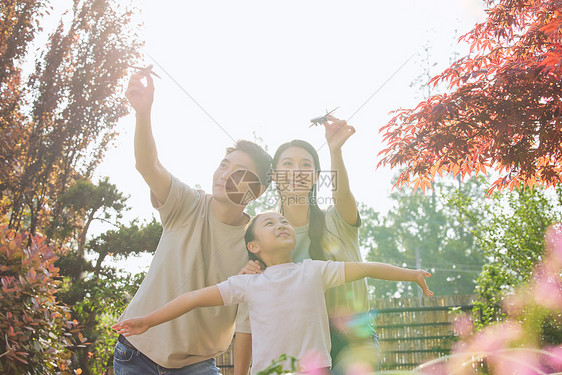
x=209 y=296
x=358 y=270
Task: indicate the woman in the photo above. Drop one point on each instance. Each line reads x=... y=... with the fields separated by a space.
x=328 y=235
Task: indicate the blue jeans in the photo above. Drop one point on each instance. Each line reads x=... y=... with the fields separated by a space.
x=129 y=361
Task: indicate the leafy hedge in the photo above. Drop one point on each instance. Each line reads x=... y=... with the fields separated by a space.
x=36 y=331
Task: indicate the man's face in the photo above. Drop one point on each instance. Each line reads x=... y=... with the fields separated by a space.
x=235 y=181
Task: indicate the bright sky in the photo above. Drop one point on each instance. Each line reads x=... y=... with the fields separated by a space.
x=269 y=67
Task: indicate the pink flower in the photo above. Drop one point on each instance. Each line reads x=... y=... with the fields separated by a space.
x=553 y=244
x=311 y=363
x=496 y=337
x=513 y=304
x=462 y=325
x=489 y=344
x=547 y=289
x=553 y=359
x=520 y=362
x=435 y=367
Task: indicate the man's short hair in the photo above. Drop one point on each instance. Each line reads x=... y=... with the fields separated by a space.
x=260 y=157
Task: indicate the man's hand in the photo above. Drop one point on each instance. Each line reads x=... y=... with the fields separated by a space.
x=133 y=326
x=139 y=95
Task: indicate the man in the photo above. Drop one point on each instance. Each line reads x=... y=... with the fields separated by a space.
x=202 y=244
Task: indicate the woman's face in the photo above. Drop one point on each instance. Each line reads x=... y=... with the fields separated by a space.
x=295 y=171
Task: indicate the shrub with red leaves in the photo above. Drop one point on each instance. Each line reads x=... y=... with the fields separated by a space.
x=503 y=110
x=36 y=331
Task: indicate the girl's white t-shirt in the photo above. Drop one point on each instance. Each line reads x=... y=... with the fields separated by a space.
x=287 y=310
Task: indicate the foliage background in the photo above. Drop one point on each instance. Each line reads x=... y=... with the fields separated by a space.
x=61 y=285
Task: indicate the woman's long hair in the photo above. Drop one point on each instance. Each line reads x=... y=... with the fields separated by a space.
x=317 y=221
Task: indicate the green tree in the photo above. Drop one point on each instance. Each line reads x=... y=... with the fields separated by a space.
x=19 y=23
x=55 y=125
x=98 y=293
x=68 y=107
x=84 y=203
x=126 y=241
x=107 y=300
x=426 y=231
x=513 y=240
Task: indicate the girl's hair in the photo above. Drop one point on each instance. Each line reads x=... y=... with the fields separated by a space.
x=317 y=221
x=249 y=236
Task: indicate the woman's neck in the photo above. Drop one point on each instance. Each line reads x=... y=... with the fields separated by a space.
x=298 y=215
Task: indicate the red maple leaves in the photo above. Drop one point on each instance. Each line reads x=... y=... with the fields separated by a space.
x=504 y=109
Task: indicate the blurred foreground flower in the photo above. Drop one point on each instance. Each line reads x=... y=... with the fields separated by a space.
x=515 y=345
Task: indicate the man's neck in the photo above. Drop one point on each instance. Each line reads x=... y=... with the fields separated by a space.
x=229 y=214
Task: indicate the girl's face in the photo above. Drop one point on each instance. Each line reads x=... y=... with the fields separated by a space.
x=272 y=232
x=295 y=171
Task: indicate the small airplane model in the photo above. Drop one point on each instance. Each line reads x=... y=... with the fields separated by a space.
x=146 y=70
x=321 y=119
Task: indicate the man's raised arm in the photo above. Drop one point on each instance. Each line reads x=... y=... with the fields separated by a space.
x=146 y=156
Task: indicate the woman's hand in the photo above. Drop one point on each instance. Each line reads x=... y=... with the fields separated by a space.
x=133 y=326
x=253 y=267
x=337 y=132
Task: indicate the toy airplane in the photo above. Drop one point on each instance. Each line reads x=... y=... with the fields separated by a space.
x=321 y=119
x=147 y=70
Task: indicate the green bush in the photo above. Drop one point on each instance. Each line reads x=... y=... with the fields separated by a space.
x=36 y=331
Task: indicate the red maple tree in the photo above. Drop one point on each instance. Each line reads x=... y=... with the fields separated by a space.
x=503 y=110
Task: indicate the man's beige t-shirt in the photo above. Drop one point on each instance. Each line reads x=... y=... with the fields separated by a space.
x=196 y=250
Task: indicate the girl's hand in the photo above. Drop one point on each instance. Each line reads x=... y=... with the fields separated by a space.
x=420 y=280
x=133 y=326
x=252 y=268
x=337 y=132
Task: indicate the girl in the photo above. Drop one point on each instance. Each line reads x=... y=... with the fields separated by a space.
x=286 y=301
x=327 y=235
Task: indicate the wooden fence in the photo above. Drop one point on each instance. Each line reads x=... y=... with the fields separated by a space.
x=411 y=330
x=225 y=361
x=415 y=330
